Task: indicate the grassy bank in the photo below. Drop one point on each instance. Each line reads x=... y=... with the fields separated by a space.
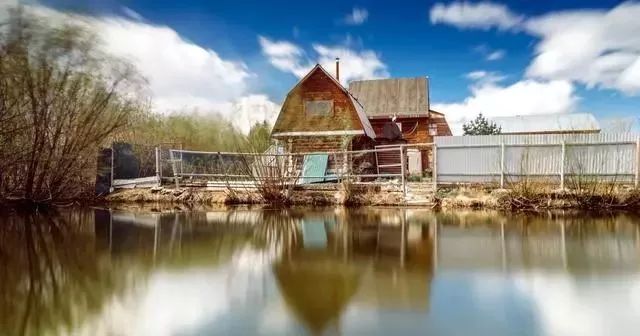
x=540 y=198
x=517 y=198
x=321 y=195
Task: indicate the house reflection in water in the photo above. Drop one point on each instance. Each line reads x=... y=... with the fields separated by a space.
x=324 y=260
x=314 y=266
x=355 y=257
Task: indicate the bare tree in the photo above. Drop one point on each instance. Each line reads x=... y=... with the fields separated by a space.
x=60 y=99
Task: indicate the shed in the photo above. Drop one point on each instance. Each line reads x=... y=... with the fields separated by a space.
x=565 y=123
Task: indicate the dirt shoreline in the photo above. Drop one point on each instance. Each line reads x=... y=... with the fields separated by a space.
x=362 y=195
x=451 y=198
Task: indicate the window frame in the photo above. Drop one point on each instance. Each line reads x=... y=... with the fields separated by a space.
x=308 y=113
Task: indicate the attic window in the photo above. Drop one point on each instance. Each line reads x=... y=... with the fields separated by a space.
x=318 y=108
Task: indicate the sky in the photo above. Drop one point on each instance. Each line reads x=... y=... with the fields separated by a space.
x=240 y=58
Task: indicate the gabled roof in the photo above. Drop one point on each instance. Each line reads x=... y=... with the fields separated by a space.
x=394 y=96
x=366 y=125
x=555 y=123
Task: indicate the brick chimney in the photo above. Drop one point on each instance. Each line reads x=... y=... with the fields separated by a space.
x=338 y=69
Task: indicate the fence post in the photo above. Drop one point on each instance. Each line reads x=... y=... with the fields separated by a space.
x=434 y=172
x=173 y=167
x=158 y=169
x=112 y=167
x=224 y=168
x=637 y=179
x=181 y=157
x=289 y=171
x=562 y=164
x=502 y=165
x=402 y=172
x=345 y=165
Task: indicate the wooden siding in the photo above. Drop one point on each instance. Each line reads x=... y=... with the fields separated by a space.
x=361 y=163
x=319 y=144
x=317 y=86
x=443 y=126
x=414 y=130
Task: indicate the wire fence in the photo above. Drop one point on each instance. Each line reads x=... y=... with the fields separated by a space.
x=221 y=168
x=145 y=166
x=132 y=165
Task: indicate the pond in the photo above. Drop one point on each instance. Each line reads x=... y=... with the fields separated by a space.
x=318 y=271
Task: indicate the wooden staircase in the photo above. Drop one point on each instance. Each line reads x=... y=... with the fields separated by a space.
x=420 y=194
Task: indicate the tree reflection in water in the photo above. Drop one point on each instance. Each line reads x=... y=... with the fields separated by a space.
x=52 y=275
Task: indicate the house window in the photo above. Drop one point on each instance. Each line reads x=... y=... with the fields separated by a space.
x=318 y=108
x=433 y=129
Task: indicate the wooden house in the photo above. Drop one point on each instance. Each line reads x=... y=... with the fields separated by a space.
x=321 y=115
x=405 y=102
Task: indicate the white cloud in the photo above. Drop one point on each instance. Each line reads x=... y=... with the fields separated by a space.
x=594 y=47
x=5 y=5
x=565 y=306
x=481 y=15
x=485 y=77
x=488 y=53
x=284 y=55
x=496 y=55
x=354 y=64
x=178 y=71
x=132 y=14
x=525 y=97
x=357 y=16
x=180 y=74
x=253 y=109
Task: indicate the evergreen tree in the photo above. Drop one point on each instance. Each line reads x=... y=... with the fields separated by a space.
x=481 y=126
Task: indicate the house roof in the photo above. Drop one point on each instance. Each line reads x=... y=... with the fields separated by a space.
x=568 y=122
x=386 y=97
x=366 y=125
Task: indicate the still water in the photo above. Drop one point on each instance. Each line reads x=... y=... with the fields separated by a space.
x=331 y=271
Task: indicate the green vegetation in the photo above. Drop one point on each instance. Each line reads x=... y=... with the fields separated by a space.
x=197 y=131
x=481 y=126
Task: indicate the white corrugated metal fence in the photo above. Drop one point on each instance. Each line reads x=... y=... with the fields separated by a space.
x=554 y=157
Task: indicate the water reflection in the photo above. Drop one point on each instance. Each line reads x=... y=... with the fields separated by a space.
x=53 y=275
x=318 y=271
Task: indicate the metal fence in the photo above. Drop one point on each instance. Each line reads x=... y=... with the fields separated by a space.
x=230 y=168
x=133 y=165
x=250 y=170
x=555 y=158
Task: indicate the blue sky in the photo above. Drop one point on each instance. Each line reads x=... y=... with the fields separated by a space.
x=498 y=58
